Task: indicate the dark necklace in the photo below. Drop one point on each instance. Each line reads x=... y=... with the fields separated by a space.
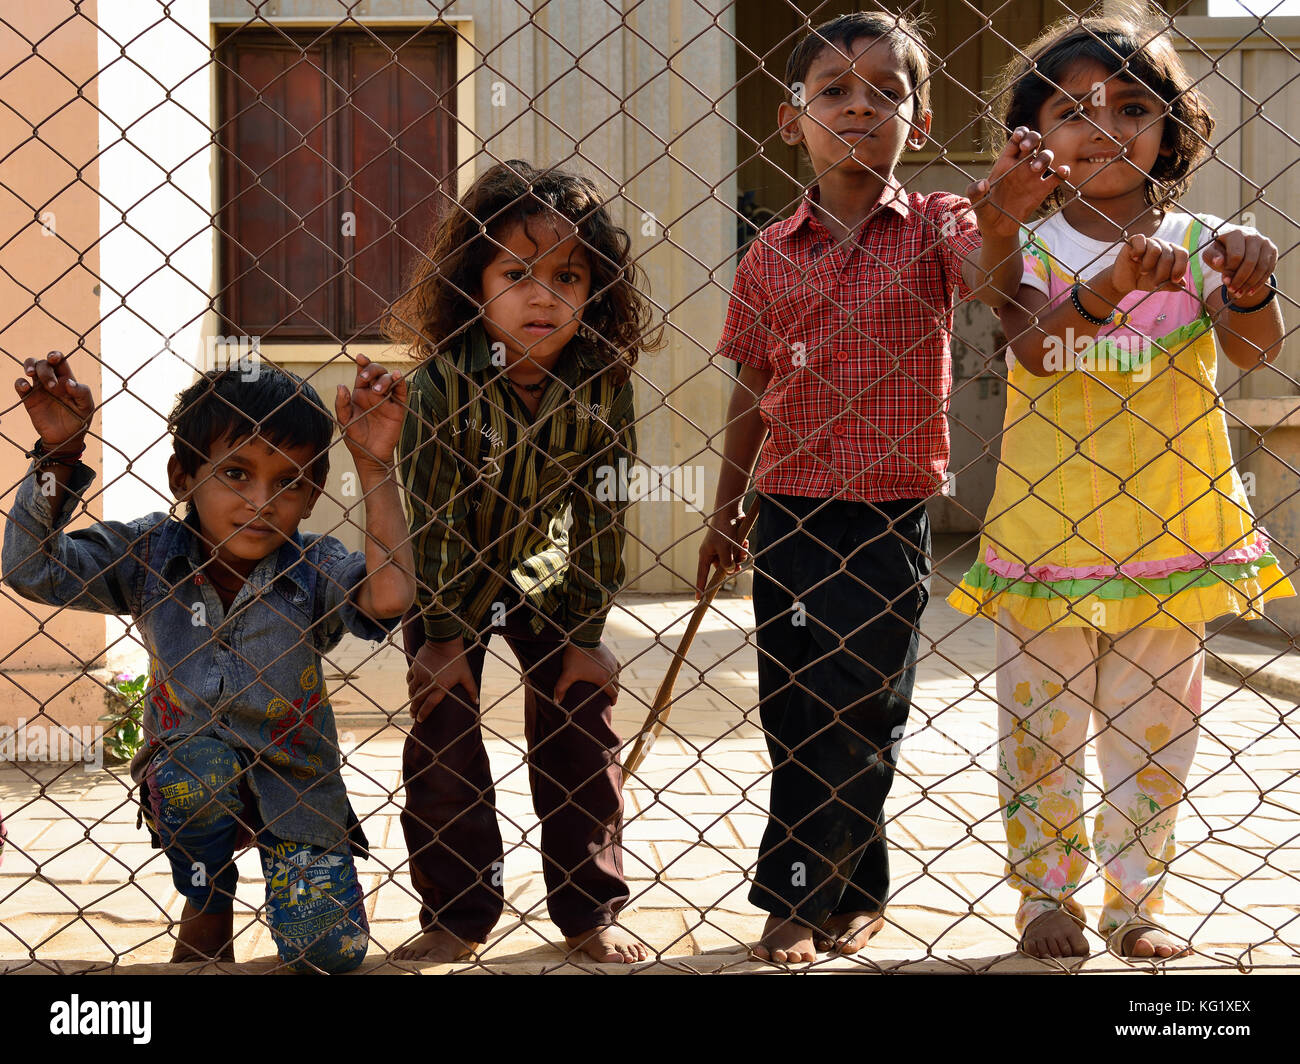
x=531 y=389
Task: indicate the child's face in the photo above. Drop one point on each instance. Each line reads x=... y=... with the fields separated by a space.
x=860 y=110
x=1108 y=130
x=534 y=290
x=250 y=497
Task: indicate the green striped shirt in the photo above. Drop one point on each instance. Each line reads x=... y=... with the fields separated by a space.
x=493 y=493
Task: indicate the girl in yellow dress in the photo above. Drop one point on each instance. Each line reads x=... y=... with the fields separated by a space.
x=1118 y=524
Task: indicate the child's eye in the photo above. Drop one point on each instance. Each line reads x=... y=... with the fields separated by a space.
x=291 y=484
x=234 y=474
x=516 y=275
x=568 y=277
x=1135 y=110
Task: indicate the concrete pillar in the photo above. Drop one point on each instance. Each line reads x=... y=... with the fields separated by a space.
x=49 y=257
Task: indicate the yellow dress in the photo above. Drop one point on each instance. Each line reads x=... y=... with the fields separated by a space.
x=1117 y=503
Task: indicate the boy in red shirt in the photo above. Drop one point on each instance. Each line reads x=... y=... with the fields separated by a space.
x=840 y=318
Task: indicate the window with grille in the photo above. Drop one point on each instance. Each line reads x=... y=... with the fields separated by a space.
x=334 y=150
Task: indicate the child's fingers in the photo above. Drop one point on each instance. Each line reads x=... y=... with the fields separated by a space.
x=398 y=393
x=62 y=368
x=1151 y=257
x=1239 y=273
x=45 y=377
x=1178 y=269
x=1252 y=271
x=82 y=401
x=1266 y=264
x=1167 y=265
x=343 y=406
x=1245 y=267
x=427 y=702
x=708 y=559
x=1233 y=242
x=466 y=680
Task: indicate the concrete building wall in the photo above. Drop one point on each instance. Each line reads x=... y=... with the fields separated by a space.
x=628 y=98
x=1252 y=180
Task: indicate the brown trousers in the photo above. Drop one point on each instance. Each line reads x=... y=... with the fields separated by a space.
x=450 y=823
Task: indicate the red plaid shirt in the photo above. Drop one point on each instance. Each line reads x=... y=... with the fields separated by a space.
x=856 y=337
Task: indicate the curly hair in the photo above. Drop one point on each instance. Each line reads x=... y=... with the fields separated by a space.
x=1127 y=46
x=442 y=297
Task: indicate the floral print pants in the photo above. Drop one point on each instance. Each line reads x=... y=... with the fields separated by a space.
x=1144 y=689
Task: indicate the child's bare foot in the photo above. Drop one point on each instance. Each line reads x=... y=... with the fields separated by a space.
x=608 y=945
x=1143 y=941
x=785 y=942
x=849 y=932
x=204 y=936
x=438 y=947
x=1054 y=934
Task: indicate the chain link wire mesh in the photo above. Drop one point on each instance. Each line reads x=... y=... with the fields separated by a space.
x=190 y=187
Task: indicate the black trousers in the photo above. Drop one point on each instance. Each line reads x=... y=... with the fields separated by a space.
x=839 y=589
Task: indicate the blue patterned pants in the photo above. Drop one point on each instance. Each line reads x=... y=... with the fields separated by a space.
x=314 y=906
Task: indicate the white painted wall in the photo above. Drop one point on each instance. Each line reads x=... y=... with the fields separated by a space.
x=156 y=252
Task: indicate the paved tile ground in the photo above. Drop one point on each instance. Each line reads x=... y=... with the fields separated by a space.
x=80 y=887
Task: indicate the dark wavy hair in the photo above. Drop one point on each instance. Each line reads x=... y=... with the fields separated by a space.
x=442 y=297
x=1129 y=47
x=253 y=399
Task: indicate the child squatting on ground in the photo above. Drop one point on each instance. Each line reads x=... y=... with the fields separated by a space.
x=527 y=320
x=235 y=607
x=840 y=319
x=1118 y=524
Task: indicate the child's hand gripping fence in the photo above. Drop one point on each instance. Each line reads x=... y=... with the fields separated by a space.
x=208 y=186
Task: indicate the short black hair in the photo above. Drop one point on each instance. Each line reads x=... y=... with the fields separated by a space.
x=902 y=33
x=252 y=398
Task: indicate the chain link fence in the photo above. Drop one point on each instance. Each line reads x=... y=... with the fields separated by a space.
x=233 y=186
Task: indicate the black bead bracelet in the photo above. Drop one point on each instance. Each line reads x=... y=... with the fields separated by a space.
x=1078 y=306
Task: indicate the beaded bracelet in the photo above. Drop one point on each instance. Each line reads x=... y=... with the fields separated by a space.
x=1228 y=304
x=1078 y=306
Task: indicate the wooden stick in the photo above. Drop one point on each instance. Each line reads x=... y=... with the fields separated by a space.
x=658 y=716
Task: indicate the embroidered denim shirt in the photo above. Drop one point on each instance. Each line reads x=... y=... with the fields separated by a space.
x=249 y=676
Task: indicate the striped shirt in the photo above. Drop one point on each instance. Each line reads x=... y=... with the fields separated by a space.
x=495 y=494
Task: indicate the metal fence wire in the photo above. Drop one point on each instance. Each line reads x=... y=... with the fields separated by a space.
x=1089 y=731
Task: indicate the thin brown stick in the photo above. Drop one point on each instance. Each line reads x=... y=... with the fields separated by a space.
x=658 y=716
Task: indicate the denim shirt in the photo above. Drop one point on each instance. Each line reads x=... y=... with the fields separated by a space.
x=250 y=677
